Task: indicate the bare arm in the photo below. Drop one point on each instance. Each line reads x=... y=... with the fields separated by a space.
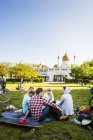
x=52 y=96
x=27 y=113
x=61 y=101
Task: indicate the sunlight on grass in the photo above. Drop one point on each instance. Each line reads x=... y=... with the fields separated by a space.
x=46 y=85
x=55 y=130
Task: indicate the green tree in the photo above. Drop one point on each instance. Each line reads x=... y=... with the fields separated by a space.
x=3 y=69
x=56 y=66
x=91 y=73
x=83 y=72
x=39 y=66
x=22 y=71
x=76 y=72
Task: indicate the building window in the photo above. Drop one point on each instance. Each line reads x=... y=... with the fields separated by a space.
x=50 y=69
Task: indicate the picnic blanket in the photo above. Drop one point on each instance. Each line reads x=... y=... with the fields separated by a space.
x=18 y=118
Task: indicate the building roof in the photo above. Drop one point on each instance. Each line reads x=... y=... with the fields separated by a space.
x=65 y=57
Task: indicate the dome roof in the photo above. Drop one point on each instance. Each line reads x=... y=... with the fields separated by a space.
x=65 y=57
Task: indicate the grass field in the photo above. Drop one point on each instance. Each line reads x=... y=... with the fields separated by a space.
x=55 y=130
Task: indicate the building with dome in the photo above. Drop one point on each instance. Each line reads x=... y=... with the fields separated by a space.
x=57 y=74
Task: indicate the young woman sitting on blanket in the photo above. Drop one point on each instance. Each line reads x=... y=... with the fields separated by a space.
x=49 y=95
x=66 y=102
x=26 y=99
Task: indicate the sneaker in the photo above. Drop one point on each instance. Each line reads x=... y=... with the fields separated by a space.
x=63 y=117
x=75 y=121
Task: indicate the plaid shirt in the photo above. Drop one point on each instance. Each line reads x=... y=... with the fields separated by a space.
x=35 y=106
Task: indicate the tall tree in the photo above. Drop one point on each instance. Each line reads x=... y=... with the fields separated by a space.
x=83 y=72
x=76 y=72
x=3 y=69
x=22 y=71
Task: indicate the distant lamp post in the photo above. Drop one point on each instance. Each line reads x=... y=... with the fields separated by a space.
x=74 y=60
x=58 y=60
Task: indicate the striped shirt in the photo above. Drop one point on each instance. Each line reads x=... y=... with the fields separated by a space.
x=35 y=106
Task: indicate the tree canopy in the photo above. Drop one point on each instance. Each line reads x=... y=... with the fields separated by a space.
x=23 y=71
x=56 y=66
x=83 y=72
x=4 y=68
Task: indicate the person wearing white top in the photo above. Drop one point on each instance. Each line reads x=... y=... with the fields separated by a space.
x=49 y=95
x=66 y=102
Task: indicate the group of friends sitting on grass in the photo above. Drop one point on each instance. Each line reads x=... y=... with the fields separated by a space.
x=41 y=105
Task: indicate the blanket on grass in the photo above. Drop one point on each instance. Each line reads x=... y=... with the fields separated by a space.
x=18 y=118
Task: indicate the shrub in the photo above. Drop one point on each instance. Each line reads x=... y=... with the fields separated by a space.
x=38 y=80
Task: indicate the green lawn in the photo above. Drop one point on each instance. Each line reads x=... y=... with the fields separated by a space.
x=53 y=130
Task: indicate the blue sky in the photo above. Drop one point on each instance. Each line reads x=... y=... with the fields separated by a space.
x=37 y=31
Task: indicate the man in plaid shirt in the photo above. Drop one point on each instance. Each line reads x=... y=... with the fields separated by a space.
x=36 y=103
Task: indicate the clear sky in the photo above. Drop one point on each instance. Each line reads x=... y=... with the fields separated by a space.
x=37 y=31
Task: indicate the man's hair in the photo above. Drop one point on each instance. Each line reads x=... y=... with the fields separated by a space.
x=38 y=90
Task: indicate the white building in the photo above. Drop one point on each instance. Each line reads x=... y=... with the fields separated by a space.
x=57 y=74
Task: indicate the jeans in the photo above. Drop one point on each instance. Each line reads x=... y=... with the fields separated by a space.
x=52 y=111
x=55 y=113
x=45 y=113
